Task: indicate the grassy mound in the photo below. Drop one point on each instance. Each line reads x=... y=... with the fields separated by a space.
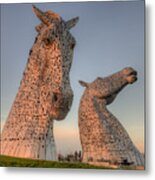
x=7 y=161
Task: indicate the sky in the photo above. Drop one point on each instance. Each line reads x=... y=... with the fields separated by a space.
x=109 y=36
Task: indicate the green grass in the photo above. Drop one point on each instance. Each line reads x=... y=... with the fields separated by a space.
x=7 y=161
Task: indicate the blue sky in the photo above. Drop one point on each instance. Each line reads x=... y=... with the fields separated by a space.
x=109 y=35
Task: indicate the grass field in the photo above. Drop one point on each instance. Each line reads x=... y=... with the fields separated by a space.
x=6 y=161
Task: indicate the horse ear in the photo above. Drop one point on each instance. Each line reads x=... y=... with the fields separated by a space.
x=41 y=15
x=84 y=84
x=72 y=22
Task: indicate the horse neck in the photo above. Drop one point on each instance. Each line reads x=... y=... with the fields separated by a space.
x=87 y=111
x=94 y=112
x=111 y=123
x=28 y=111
